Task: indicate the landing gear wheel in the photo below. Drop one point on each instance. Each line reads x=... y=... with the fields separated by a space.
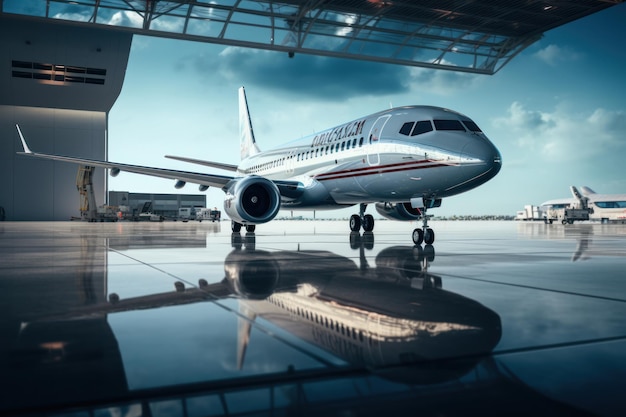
x=368 y=223
x=235 y=227
x=250 y=228
x=418 y=236
x=355 y=223
x=429 y=236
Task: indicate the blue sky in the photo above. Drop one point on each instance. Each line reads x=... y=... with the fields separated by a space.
x=557 y=111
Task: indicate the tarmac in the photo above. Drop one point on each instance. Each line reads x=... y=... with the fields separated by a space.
x=306 y=318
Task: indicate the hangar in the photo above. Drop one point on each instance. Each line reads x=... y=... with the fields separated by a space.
x=64 y=61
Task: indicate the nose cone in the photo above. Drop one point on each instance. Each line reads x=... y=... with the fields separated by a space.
x=484 y=156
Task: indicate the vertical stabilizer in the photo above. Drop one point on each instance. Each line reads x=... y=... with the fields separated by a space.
x=586 y=190
x=246 y=134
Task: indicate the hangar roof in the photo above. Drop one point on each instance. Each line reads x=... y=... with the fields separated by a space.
x=478 y=36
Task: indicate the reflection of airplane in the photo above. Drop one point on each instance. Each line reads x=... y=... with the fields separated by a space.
x=66 y=356
x=604 y=207
x=404 y=160
x=394 y=314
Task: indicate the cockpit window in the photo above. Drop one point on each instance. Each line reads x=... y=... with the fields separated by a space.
x=471 y=126
x=416 y=128
x=422 y=127
x=406 y=128
x=448 y=125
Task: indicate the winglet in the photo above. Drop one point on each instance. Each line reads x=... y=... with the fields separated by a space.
x=26 y=148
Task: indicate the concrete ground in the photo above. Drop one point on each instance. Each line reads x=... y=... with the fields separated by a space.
x=305 y=318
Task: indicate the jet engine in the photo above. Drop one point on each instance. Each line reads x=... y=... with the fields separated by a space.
x=398 y=211
x=252 y=200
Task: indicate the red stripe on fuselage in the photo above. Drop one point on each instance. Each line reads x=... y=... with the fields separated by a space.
x=380 y=169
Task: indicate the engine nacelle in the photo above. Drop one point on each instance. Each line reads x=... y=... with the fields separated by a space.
x=252 y=200
x=203 y=187
x=179 y=184
x=114 y=172
x=398 y=211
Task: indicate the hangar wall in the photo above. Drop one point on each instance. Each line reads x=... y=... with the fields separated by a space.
x=58 y=82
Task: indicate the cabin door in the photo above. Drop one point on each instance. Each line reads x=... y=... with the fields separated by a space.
x=373 y=140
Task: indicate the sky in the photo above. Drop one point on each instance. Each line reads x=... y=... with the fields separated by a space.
x=556 y=112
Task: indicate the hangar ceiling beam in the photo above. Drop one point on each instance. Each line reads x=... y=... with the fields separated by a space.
x=479 y=36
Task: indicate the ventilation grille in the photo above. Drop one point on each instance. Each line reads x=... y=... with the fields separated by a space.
x=58 y=74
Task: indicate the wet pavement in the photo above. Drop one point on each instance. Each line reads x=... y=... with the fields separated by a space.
x=305 y=318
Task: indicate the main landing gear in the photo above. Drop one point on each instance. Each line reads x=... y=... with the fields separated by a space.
x=362 y=220
x=236 y=227
x=426 y=234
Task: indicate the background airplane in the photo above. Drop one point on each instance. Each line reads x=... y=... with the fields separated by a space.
x=604 y=207
x=404 y=160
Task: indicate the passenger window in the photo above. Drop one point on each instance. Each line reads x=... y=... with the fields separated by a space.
x=406 y=128
x=354 y=143
x=448 y=125
x=471 y=126
x=422 y=127
x=343 y=145
x=361 y=142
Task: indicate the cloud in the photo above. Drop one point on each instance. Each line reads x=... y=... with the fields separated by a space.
x=553 y=55
x=561 y=136
x=442 y=82
x=304 y=75
x=325 y=78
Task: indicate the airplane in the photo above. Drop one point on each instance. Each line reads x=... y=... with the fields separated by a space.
x=603 y=207
x=403 y=160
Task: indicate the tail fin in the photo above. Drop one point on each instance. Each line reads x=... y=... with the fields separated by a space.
x=586 y=190
x=246 y=134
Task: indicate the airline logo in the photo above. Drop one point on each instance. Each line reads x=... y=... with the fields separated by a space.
x=339 y=133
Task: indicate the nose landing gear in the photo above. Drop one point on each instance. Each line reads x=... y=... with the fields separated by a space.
x=362 y=220
x=426 y=234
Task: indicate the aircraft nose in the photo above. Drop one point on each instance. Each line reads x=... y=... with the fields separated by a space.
x=482 y=150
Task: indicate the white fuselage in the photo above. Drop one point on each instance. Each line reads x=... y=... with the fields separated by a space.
x=390 y=156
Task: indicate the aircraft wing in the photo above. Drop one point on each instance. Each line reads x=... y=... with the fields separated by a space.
x=219 y=165
x=191 y=177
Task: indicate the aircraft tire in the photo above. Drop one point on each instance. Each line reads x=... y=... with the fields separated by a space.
x=418 y=236
x=368 y=223
x=235 y=227
x=355 y=223
x=250 y=228
x=429 y=236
